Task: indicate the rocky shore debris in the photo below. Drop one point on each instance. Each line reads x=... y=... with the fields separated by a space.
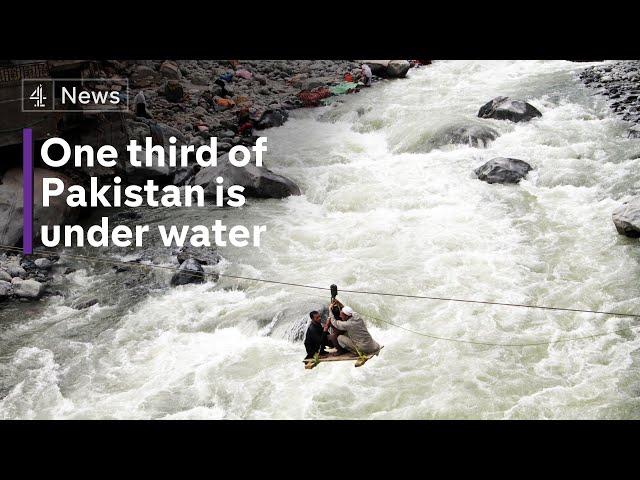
x=503 y=170
x=620 y=83
x=25 y=277
x=505 y=108
x=626 y=218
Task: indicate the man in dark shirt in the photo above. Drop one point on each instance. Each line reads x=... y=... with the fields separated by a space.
x=313 y=337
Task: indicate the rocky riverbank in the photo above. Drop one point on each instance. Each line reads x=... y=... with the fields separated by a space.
x=620 y=83
x=191 y=100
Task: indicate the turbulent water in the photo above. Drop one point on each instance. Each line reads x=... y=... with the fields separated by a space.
x=379 y=212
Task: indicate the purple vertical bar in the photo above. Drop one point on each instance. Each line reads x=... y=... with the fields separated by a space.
x=27 y=191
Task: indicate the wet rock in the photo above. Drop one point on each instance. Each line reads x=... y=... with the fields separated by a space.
x=190 y=271
x=43 y=263
x=204 y=256
x=505 y=108
x=258 y=182
x=84 y=302
x=5 y=289
x=16 y=271
x=503 y=170
x=634 y=132
x=388 y=68
x=626 y=218
x=182 y=175
x=474 y=135
x=272 y=118
x=378 y=67
x=139 y=175
x=58 y=213
x=28 y=289
x=398 y=68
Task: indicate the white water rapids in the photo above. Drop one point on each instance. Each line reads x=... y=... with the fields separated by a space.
x=377 y=213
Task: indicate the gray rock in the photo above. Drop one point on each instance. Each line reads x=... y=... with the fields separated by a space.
x=378 y=67
x=140 y=175
x=138 y=131
x=634 y=132
x=16 y=271
x=272 y=118
x=204 y=256
x=504 y=108
x=397 y=68
x=258 y=182
x=4 y=276
x=170 y=69
x=43 y=263
x=84 y=302
x=503 y=170
x=28 y=289
x=626 y=218
x=190 y=271
x=474 y=135
x=144 y=76
x=58 y=213
x=5 y=289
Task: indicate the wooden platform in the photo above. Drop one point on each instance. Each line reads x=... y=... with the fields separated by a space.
x=359 y=361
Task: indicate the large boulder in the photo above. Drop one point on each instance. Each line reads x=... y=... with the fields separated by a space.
x=204 y=256
x=398 y=68
x=505 y=108
x=189 y=272
x=388 y=68
x=27 y=288
x=626 y=218
x=170 y=69
x=58 y=213
x=258 y=182
x=503 y=170
x=272 y=118
x=162 y=175
x=43 y=263
x=378 y=67
x=474 y=135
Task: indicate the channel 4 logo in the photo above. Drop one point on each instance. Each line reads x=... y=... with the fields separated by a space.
x=75 y=95
x=38 y=97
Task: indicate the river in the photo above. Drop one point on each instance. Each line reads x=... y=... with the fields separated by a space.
x=379 y=212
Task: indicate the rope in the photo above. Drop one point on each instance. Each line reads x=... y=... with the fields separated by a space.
x=428 y=335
